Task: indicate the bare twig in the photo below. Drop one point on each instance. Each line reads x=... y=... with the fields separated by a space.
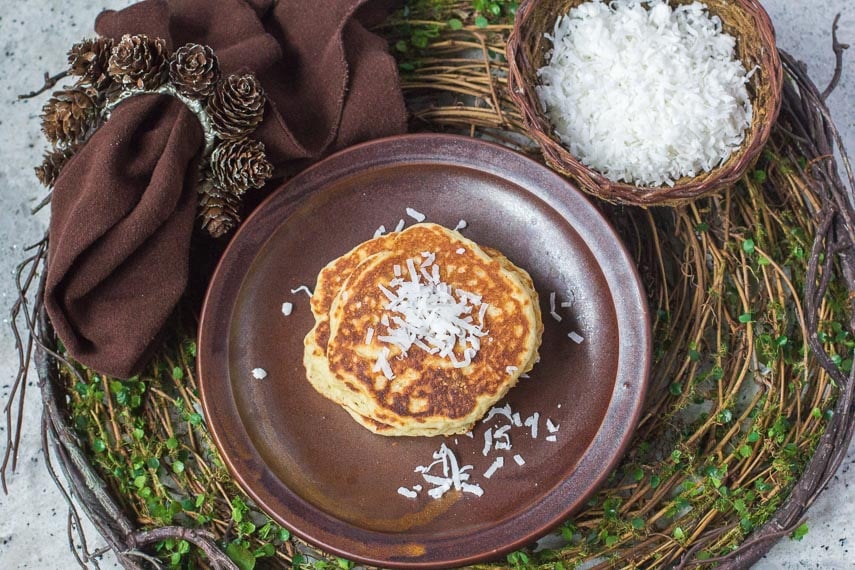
x=50 y=82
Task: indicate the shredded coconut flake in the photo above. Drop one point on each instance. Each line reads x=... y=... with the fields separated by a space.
x=498 y=463
x=551 y=427
x=259 y=373
x=302 y=288
x=511 y=369
x=287 y=308
x=531 y=422
x=417 y=216
x=551 y=438
x=380 y=231
x=369 y=335
x=575 y=337
x=452 y=475
x=400 y=225
x=645 y=94
x=488 y=442
x=407 y=493
x=461 y=251
x=519 y=460
x=461 y=225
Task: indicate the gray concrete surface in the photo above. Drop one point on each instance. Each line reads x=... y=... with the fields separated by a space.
x=34 y=36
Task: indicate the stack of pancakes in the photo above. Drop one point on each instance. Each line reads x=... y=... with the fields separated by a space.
x=418 y=392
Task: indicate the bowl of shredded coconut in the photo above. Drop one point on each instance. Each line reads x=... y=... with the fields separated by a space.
x=646 y=102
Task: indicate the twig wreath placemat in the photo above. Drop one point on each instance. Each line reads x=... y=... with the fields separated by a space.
x=750 y=409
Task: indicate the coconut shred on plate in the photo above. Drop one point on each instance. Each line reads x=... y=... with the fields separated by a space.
x=645 y=93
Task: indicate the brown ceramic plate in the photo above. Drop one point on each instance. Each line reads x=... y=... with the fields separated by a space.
x=332 y=482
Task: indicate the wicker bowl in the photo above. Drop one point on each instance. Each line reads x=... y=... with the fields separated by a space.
x=745 y=20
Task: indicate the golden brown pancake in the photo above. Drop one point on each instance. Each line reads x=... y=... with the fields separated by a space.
x=428 y=395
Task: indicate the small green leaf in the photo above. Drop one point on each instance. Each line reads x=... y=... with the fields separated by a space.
x=284 y=534
x=455 y=24
x=153 y=463
x=174 y=558
x=748 y=246
x=702 y=227
x=675 y=388
x=753 y=437
x=401 y=46
x=183 y=547
x=195 y=419
x=99 y=446
x=200 y=500
x=177 y=467
x=745 y=318
x=800 y=532
x=139 y=482
x=745 y=451
x=817 y=413
x=242 y=557
x=638 y=474
x=172 y=443
x=177 y=373
x=637 y=523
x=679 y=534
x=266 y=551
x=655 y=481
x=481 y=22
x=759 y=176
x=763 y=260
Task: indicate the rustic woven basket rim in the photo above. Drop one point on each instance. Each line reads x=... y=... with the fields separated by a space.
x=684 y=190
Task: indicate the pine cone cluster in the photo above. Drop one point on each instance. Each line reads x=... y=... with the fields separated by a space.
x=139 y=62
x=69 y=116
x=237 y=106
x=194 y=71
x=53 y=162
x=218 y=210
x=238 y=165
x=108 y=70
x=89 y=60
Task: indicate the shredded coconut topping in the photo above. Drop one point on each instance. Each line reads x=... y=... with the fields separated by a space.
x=287 y=308
x=416 y=215
x=302 y=288
x=645 y=93
x=259 y=373
x=424 y=312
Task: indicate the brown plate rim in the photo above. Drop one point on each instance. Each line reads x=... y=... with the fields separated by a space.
x=342 y=538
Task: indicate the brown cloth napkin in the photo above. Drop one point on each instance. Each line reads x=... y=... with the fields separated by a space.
x=123 y=210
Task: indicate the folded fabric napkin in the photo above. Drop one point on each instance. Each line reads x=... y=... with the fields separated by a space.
x=123 y=209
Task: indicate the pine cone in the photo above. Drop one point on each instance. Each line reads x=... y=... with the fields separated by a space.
x=238 y=165
x=69 y=115
x=139 y=62
x=194 y=71
x=237 y=106
x=218 y=210
x=89 y=60
x=52 y=165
